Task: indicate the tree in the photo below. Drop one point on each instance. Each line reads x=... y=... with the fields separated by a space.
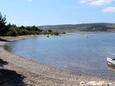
x=2 y=24
x=50 y=31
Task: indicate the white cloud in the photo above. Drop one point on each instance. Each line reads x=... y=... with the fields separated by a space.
x=96 y=2
x=29 y=0
x=109 y=10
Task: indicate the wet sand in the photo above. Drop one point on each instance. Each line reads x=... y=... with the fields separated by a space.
x=36 y=74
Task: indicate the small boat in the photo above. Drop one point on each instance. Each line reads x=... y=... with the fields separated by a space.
x=111 y=61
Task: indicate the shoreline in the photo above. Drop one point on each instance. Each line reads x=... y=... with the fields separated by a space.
x=40 y=74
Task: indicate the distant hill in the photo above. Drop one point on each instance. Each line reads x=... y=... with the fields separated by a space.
x=80 y=27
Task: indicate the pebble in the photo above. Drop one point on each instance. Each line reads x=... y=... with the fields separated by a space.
x=95 y=83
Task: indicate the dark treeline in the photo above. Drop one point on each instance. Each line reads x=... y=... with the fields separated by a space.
x=13 y=30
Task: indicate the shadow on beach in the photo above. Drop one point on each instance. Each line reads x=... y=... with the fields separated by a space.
x=1 y=39
x=9 y=77
x=2 y=63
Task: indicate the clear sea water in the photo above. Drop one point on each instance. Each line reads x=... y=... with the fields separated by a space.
x=83 y=52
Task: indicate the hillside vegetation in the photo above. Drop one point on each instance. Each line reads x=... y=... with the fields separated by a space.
x=13 y=30
x=81 y=27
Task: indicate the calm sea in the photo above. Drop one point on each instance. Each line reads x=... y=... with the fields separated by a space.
x=83 y=52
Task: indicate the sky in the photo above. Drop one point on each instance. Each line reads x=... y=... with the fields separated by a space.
x=54 y=12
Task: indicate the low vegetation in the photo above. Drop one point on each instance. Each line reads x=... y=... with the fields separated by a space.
x=13 y=30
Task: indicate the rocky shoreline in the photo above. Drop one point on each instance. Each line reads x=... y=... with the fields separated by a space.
x=36 y=74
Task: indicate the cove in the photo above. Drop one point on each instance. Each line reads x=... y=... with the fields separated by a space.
x=83 y=52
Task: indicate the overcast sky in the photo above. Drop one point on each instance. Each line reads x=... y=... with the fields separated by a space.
x=48 y=12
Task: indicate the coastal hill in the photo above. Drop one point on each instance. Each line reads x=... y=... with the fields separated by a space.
x=80 y=27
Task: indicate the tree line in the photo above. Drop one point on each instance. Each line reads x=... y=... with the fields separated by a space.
x=13 y=30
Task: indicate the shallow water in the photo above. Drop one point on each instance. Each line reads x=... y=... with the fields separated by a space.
x=83 y=52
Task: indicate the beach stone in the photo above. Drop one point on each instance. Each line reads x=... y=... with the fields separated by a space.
x=102 y=83
x=91 y=83
x=82 y=83
x=95 y=83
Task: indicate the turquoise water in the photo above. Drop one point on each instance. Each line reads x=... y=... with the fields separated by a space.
x=83 y=52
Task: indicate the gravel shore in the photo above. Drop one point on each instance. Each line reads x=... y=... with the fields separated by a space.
x=36 y=74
